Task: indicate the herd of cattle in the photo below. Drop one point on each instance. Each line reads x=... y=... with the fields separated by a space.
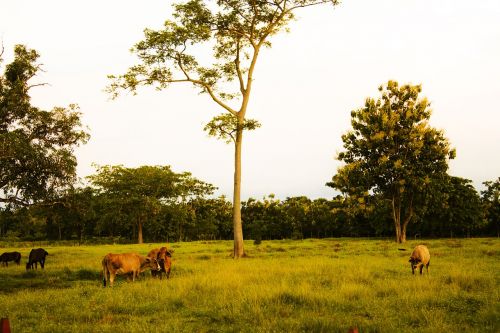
x=129 y=264
x=160 y=261
x=36 y=256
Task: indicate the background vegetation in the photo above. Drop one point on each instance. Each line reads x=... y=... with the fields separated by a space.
x=312 y=285
x=92 y=215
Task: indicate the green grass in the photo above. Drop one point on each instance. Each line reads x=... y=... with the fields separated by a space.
x=283 y=286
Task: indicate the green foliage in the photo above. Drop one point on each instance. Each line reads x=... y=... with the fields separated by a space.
x=36 y=146
x=139 y=194
x=234 y=31
x=453 y=208
x=284 y=286
x=393 y=151
x=490 y=198
x=226 y=125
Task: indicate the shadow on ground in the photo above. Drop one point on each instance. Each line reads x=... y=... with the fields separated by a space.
x=42 y=279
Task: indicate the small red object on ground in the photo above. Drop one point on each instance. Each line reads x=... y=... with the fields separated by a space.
x=353 y=330
x=4 y=325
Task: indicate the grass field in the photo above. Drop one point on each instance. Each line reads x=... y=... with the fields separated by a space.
x=313 y=285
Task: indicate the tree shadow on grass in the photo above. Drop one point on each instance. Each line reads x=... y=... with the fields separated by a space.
x=42 y=280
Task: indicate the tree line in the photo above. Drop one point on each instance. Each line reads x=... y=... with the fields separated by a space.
x=153 y=204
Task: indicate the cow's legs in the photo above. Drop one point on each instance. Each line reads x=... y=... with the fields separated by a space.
x=42 y=263
x=111 y=278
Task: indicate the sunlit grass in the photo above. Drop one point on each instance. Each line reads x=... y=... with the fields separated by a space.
x=283 y=286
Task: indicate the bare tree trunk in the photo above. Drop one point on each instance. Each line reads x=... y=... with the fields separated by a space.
x=405 y=224
x=237 y=226
x=139 y=232
x=402 y=236
x=396 y=216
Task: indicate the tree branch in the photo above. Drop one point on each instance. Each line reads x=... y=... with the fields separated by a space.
x=313 y=4
x=238 y=69
x=14 y=200
x=214 y=98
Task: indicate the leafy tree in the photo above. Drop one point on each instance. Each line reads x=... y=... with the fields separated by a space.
x=212 y=218
x=296 y=210
x=393 y=151
x=139 y=193
x=36 y=147
x=79 y=205
x=236 y=31
x=490 y=198
x=265 y=217
x=463 y=213
x=321 y=217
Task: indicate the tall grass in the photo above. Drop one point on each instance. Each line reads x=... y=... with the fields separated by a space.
x=283 y=286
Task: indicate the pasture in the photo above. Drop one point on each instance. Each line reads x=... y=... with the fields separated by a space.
x=313 y=285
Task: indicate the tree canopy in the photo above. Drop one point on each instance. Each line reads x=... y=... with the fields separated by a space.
x=490 y=197
x=138 y=193
x=393 y=151
x=36 y=146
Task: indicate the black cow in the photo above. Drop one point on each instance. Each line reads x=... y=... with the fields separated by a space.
x=36 y=256
x=10 y=256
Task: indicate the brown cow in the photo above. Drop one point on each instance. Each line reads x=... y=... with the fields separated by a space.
x=420 y=257
x=130 y=264
x=10 y=256
x=36 y=256
x=164 y=258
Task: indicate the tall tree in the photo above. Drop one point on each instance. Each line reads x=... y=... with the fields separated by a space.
x=463 y=213
x=236 y=31
x=36 y=147
x=139 y=193
x=490 y=198
x=393 y=151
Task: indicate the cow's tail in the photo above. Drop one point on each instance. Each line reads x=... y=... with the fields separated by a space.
x=105 y=271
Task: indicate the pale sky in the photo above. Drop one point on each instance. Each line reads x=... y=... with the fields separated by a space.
x=305 y=86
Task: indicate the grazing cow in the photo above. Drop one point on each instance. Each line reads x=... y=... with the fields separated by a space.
x=164 y=258
x=130 y=264
x=10 y=256
x=420 y=257
x=36 y=256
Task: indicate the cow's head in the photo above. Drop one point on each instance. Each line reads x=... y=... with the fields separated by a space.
x=415 y=263
x=152 y=263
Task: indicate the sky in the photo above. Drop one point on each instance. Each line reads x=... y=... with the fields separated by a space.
x=304 y=89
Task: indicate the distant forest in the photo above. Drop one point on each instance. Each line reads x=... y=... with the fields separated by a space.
x=115 y=213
